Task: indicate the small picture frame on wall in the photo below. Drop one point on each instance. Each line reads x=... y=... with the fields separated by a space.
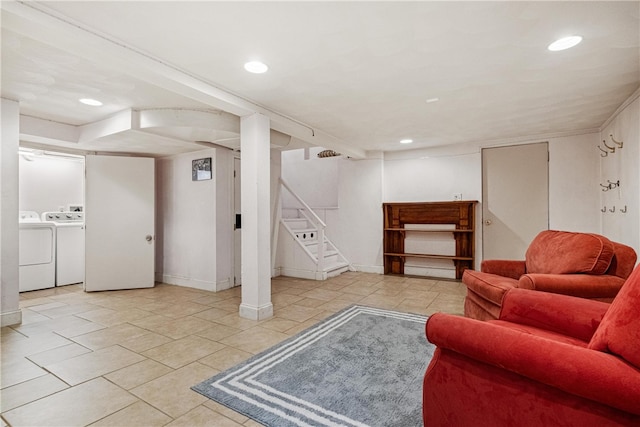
x=201 y=169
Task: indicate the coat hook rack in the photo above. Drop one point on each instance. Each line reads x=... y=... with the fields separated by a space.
x=610 y=185
x=624 y=210
x=604 y=209
x=606 y=153
x=613 y=209
x=618 y=143
x=611 y=149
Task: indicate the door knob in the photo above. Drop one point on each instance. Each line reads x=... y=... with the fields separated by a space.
x=487 y=222
x=149 y=237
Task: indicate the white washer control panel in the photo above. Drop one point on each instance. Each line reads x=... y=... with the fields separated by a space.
x=63 y=216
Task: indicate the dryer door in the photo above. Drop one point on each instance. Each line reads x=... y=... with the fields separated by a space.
x=36 y=245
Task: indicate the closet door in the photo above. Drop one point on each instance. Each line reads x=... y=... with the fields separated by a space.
x=515 y=198
x=120 y=223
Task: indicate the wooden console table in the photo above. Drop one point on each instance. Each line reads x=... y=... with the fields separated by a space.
x=459 y=213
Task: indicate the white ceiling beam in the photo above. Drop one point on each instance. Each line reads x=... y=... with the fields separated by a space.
x=36 y=21
x=178 y=117
x=41 y=131
x=119 y=122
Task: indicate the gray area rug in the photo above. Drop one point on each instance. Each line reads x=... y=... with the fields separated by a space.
x=360 y=367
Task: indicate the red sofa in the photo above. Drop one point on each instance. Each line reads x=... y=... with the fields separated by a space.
x=578 y=264
x=550 y=360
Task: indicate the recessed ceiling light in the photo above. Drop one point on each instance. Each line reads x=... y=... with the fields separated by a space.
x=406 y=141
x=92 y=102
x=256 y=67
x=564 y=43
x=430 y=100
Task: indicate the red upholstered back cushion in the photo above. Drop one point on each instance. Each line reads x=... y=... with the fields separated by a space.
x=619 y=331
x=624 y=259
x=564 y=252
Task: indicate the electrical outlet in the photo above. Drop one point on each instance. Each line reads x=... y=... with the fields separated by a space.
x=457 y=197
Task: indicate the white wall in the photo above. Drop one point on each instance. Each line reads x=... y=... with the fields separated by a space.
x=438 y=174
x=573 y=184
x=188 y=252
x=314 y=179
x=195 y=236
x=50 y=183
x=10 y=313
x=275 y=169
x=347 y=195
x=431 y=179
x=223 y=176
x=622 y=165
x=359 y=228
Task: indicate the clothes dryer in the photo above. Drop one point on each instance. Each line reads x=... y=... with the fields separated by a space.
x=37 y=253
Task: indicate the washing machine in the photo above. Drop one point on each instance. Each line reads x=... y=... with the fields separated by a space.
x=37 y=252
x=69 y=246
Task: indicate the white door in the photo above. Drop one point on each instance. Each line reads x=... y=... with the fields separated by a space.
x=515 y=198
x=120 y=223
x=237 y=232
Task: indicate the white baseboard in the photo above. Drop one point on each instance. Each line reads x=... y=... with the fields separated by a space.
x=375 y=269
x=11 y=318
x=256 y=313
x=194 y=283
x=300 y=274
x=312 y=275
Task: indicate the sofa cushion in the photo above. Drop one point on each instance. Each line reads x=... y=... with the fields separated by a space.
x=619 y=331
x=564 y=252
x=623 y=261
x=490 y=286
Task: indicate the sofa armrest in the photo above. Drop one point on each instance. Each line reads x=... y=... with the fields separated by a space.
x=591 y=374
x=503 y=267
x=579 y=285
x=571 y=316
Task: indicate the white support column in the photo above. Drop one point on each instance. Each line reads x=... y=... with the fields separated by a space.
x=10 y=313
x=256 y=217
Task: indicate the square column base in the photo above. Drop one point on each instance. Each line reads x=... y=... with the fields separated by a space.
x=256 y=313
x=11 y=318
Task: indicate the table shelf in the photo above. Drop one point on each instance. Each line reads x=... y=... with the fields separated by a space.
x=442 y=217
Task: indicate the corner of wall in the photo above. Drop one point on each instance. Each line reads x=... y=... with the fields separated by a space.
x=9 y=231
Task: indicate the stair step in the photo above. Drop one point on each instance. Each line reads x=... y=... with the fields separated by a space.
x=336 y=269
x=306 y=234
x=329 y=253
x=312 y=245
x=297 y=223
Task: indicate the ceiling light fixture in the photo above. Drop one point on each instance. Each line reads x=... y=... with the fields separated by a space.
x=430 y=100
x=406 y=141
x=256 y=67
x=564 y=43
x=92 y=102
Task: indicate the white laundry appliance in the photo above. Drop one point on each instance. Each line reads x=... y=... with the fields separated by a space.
x=37 y=252
x=69 y=246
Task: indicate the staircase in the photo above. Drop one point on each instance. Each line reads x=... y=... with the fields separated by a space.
x=306 y=252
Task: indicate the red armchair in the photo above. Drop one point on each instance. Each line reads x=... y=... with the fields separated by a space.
x=578 y=264
x=550 y=360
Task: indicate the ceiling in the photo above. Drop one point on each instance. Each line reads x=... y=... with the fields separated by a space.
x=351 y=76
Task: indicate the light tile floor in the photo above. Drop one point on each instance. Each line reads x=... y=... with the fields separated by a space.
x=129 y=358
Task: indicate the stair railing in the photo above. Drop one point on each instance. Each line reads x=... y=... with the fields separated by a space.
x=312 y=217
